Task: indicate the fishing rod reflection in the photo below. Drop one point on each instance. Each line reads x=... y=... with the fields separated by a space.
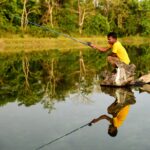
x=119 y=109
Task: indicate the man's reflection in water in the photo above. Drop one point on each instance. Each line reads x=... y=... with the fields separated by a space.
x=119 y=109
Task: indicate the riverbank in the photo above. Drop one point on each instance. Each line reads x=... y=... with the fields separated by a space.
x=37 y=44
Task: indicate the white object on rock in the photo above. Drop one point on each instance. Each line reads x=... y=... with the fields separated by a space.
x=120 y=77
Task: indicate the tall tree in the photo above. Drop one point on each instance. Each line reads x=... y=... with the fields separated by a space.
x=48 y=7
x=85 y=8
x=24 y=17
x=29 y=6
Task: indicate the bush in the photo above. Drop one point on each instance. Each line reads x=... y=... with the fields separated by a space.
x=67 y=21
x=96 y=25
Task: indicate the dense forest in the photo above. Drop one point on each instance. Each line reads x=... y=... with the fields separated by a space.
x=77 y=17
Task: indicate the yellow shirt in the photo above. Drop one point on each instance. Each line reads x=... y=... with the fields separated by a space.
x=121 y=116
x=121 y=53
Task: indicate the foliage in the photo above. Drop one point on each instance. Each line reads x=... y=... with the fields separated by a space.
x=125 y=17
x=97 y=25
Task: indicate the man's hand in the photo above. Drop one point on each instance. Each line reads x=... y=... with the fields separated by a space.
x=89 y=44
x=93 y=121
x=102 y=49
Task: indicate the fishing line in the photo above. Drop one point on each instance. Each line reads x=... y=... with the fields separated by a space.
x=75 y=130
x=59 y=33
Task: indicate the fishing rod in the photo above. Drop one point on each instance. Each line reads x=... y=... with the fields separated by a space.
x=75 y=130
x=59 y=33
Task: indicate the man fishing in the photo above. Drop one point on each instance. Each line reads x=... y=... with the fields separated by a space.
x=118 y=51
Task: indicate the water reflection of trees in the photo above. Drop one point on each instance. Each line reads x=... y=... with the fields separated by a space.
x=47 y=76
x=140 y=56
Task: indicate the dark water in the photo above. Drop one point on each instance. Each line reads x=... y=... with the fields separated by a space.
x=47 y=94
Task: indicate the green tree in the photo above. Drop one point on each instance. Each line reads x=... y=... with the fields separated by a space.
x=96 y=25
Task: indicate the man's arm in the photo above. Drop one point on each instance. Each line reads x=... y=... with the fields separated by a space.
x=100 y=118
x=102 y=49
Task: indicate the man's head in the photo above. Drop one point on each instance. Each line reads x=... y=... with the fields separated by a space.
x=112 y=130
x=112 y=37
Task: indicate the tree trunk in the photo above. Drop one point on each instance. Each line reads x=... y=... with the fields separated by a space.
x=50 y=10
x=82 y=21
x=107 y=7
x=48 y=15
x=24 y=18
x=81 y=12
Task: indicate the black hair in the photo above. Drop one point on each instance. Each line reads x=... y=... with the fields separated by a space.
x=112 y=131
x=112 y=34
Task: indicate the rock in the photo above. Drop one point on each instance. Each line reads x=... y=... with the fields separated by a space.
x=145 y=78
x=124 y=76
x=145 y=88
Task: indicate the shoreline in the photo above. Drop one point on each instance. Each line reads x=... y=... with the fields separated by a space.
x=28 y=44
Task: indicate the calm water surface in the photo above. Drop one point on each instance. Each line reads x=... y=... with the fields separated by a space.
x=46 y=95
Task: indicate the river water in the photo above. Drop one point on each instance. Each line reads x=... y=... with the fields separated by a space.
x=44 y=95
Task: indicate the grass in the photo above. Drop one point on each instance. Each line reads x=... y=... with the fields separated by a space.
x=28 y=44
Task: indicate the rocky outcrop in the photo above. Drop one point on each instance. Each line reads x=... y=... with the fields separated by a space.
x=124 y=76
